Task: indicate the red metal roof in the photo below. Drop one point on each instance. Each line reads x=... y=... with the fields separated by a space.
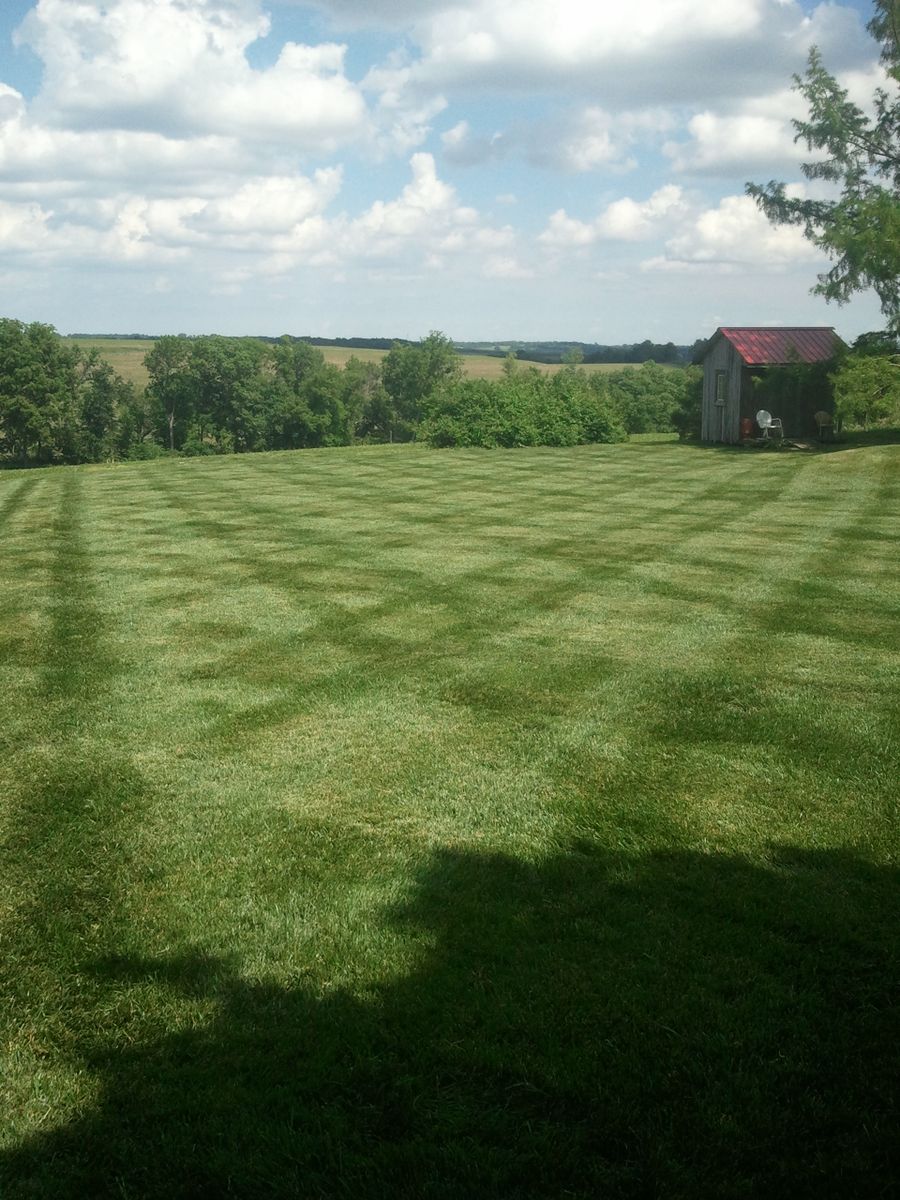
x=770 y=347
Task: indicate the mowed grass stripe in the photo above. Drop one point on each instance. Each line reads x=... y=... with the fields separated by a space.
x=17 y=495
x=70 y=799
x=488 y=698
x=569 y=563
x=485 y=825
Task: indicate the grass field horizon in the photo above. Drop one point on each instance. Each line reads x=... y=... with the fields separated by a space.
x=381 y=821
x=126 y=356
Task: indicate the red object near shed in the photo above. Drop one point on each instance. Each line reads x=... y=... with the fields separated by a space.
x=738 y=354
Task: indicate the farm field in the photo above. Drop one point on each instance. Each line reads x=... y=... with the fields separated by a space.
x=476 y=366
x=392 y=822
x=126 y=356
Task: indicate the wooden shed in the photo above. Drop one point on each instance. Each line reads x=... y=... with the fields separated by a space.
x=737 y=355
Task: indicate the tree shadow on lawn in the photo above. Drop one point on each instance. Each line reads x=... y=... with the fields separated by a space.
x=592 y=1025
x=847 y=439
x=859 y=439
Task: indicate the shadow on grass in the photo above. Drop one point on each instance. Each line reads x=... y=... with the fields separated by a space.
x=858 y=439
x=847 y=439
x=592 y=1025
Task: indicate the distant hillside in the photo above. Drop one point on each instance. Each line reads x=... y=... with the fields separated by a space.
x=126 y=355
x=540 y=352
x=591 y=352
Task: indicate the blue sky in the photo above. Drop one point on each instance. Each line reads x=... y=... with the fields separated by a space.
x=491 y=168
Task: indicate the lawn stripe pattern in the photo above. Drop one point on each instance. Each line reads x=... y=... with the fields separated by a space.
x=391 y=822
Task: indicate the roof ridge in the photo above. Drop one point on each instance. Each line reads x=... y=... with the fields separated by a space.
x=781 y=344
x=776 y=328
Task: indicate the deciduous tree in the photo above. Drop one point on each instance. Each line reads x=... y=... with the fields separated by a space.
x=169 y=383
x=866 y=389
x=413 y=373
x=860 y=230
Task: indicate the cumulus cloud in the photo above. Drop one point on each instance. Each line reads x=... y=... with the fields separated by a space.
x=625 y=220
x=650 y=51
x=735 y=232
x=582 y=139
x=23 y=228
x=160 y=95
x=693 y=238
x=164 y=132
x=169 y=67
x=39 y=237
x=594 y=138
x=274 y=204
x=425 y=203
x=402 y=116
x=36 y=159
x=756 y=134
x=273 y=225
x=565 y=232
x=748 y=141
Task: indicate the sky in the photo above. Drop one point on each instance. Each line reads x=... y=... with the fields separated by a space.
x=494 y=169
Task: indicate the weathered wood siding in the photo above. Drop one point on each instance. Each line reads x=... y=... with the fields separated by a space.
x=721 y=422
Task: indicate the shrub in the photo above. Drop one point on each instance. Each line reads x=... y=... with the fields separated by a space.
x=522 y=409
x=867 y=389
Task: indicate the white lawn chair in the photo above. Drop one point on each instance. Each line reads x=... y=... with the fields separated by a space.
x=769 y=424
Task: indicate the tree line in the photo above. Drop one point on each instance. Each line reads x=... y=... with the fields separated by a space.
x=218 y=395
x=589 y=352
x=58 y=403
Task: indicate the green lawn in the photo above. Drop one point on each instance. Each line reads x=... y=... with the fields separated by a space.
x=389 y=822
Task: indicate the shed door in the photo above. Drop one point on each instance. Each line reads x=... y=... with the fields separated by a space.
x=720 y=407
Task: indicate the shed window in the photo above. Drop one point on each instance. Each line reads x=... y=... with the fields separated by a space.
x=721 y=387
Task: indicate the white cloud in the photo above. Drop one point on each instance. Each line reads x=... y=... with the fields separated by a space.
x=40 y=237
x=623 y=220
x=585 y=140
x=756 y=134
x=456 y=138
x=424 y=204
x=646 y=52
x=695 y=239
x=23 y=228
x=167 y=142
x=564 y=231
x=736 y=232
x=273 y=204
x=402 y=117
x=35 y=159
x=568 y=34
x=748 y=141
x=594 y=142
x=268 y=226
x=426 y=226
x=631 y=221
x=168 y=67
